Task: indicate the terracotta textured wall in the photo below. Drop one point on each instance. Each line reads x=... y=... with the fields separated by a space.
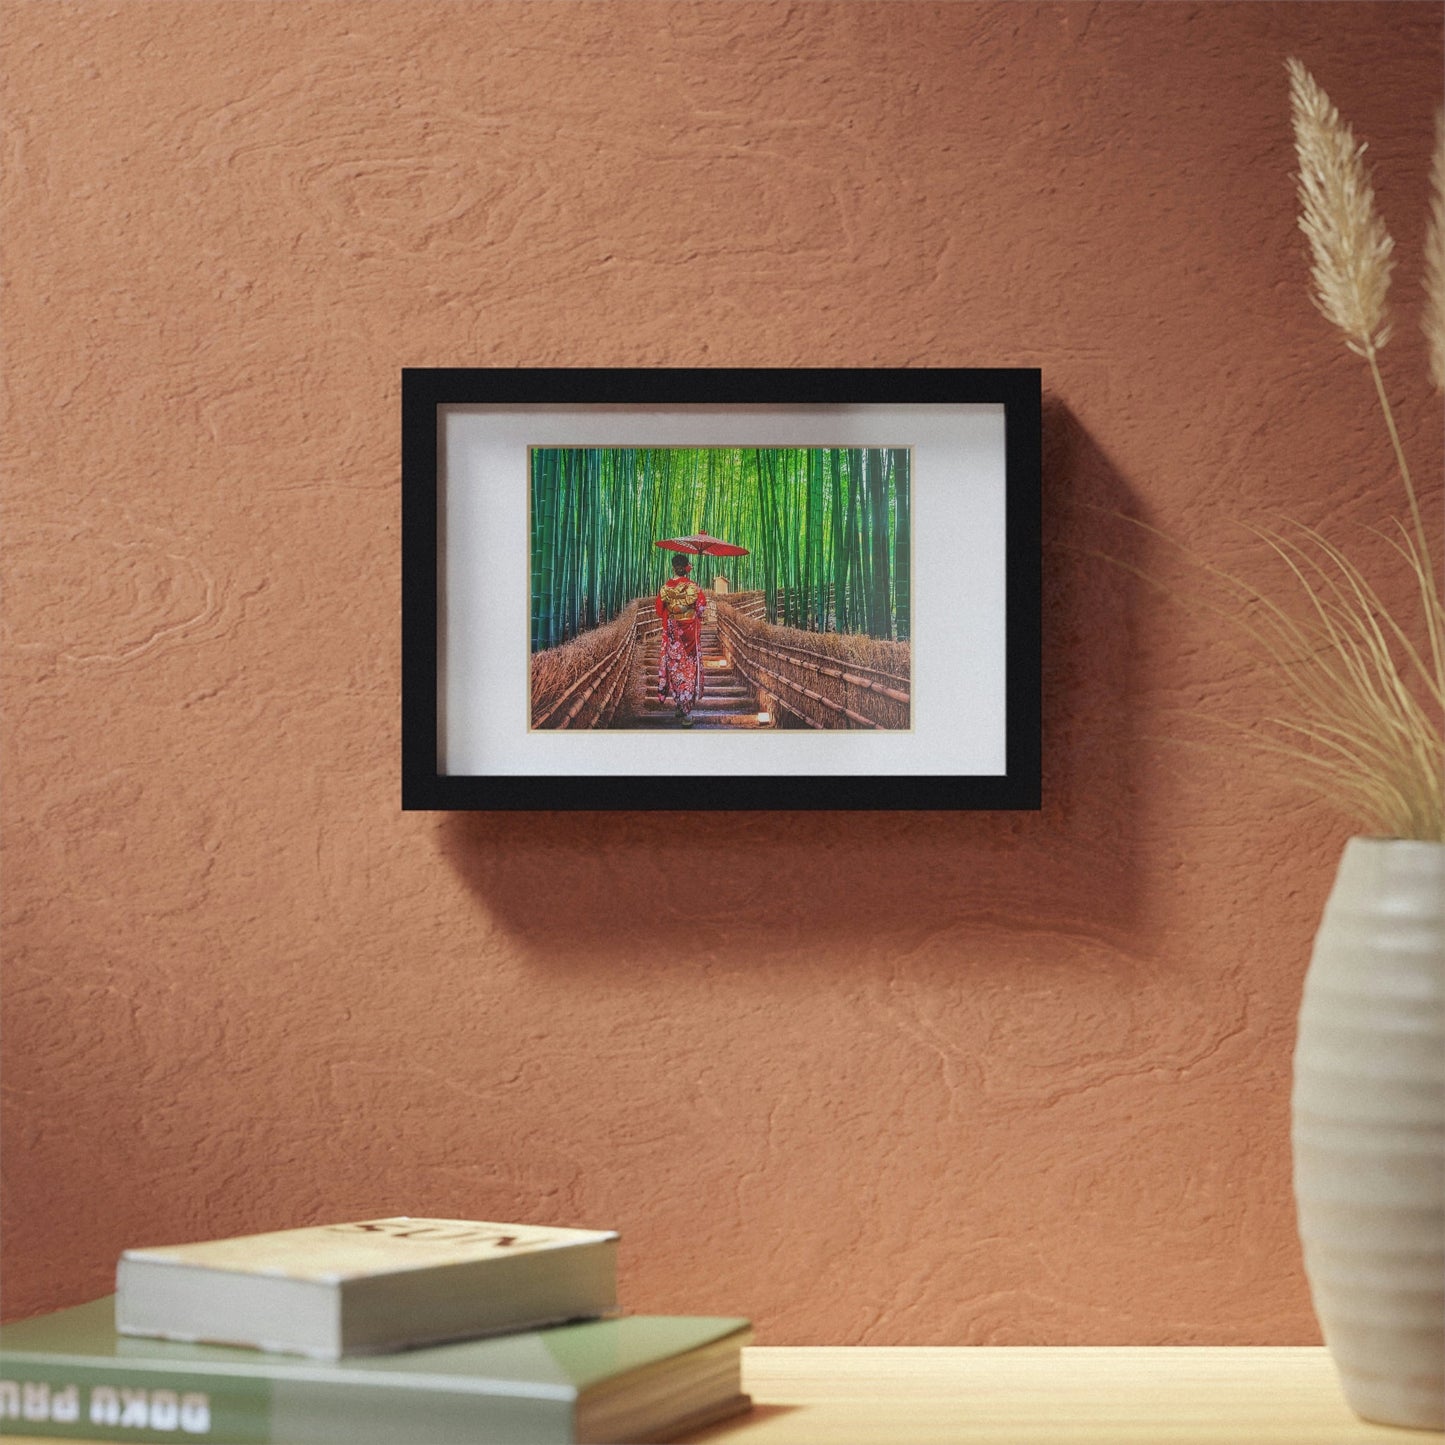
x=892 y=1078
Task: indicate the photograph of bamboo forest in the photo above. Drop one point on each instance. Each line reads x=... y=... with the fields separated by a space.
x=720 y=587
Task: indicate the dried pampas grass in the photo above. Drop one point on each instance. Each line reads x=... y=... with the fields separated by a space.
x=1359 y=719
x=1367 y=687
x=1351 y=247
x=1363 y=687
x=1434 y=319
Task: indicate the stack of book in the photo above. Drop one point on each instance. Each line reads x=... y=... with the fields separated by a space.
x=384 y=1332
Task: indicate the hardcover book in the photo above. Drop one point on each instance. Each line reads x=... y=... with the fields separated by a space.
x=367 y=1287
x=634 y=1379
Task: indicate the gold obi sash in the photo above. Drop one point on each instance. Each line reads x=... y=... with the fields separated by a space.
x=681 y=602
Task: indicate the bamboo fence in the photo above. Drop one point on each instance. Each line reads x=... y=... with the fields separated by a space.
x=581 y=683
x=816 y=678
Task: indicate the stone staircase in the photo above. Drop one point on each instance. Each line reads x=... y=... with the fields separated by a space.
x=728 y=699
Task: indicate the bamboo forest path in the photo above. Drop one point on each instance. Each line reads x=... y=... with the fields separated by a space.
x=728 y=699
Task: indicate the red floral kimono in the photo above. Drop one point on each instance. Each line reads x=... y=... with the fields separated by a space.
x=681 y=604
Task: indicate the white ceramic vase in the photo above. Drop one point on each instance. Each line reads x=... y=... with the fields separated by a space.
x=1369 y=1129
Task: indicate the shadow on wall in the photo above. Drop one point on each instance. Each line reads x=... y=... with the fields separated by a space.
x=590 y=889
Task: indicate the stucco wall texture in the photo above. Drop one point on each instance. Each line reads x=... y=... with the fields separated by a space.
x=890 y=1078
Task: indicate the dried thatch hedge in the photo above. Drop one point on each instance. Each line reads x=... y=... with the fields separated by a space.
x=846 y=650
x=556 y=669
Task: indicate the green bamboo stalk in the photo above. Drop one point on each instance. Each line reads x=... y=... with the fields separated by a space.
x=567 y=521
x=534 y=506
x=550 y=534
x=903 y=544
x=819 y=540
x=795 y=496
x=769 y=532
x=838 y=562
x=594 y=581
x=880 y=613
x=865 y=546
x=813 y=540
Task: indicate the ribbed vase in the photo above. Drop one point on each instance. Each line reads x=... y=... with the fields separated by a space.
x=1369 y=1129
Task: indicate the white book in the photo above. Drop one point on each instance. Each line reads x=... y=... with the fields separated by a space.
x=332 y=1290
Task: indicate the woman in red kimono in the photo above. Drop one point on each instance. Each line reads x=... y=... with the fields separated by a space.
x=681 y=604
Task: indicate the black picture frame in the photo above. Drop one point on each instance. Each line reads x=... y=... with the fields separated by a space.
x=427 y=393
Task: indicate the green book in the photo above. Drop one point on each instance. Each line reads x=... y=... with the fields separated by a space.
x=70 y=1375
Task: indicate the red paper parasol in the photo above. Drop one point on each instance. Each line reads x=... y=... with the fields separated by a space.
x=701 y=544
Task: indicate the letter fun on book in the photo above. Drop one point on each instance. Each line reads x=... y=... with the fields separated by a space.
x=366 y=1288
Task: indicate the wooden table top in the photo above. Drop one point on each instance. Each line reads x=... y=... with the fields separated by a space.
x=1021 y=1395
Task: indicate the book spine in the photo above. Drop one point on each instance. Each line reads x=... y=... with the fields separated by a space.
x=96 y=1400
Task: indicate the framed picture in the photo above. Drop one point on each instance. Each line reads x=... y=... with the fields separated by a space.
x=706 y=589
